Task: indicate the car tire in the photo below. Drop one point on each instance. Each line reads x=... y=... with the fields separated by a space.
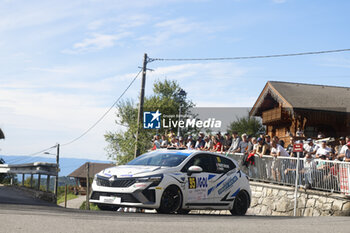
x=241 y=204
x=108 y=207
x=171 y=200
x=182 y=211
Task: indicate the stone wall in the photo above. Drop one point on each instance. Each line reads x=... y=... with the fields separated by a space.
x=269 y=199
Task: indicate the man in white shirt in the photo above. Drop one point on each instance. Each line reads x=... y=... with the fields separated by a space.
x=164 y=142
x=309 y=169
x=208 y=144
x=310 y=147
x=324 y=150
x=276 y=151
x=235 y=142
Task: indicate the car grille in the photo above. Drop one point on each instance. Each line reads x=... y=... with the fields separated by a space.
x=119 y=182
x=125 y=197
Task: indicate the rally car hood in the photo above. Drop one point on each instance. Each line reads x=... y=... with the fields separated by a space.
x=132 y=171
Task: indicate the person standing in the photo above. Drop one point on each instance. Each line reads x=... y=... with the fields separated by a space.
x=190 y=143
x=324 y=150
x=227 y=142
x=260 y=148
x=343 y=148
x=164 y=142
x=243 y=145
x=310 y=147
x=200 y=142
x=217 y=145
x=208 y=144
x=235 y=142
x=277 y=151
x=347 y=153
x=156 y=143
x=340 y=146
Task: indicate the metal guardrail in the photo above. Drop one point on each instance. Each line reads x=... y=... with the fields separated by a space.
x=39 y=168
x=326 y=175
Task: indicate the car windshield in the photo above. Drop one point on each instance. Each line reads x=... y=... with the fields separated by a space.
x=159 y=159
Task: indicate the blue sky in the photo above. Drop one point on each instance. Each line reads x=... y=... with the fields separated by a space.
x=63 y=63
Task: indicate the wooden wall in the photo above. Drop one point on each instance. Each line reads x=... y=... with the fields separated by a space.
x=332 y=124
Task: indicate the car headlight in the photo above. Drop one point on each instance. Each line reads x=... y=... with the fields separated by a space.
x=156 y=179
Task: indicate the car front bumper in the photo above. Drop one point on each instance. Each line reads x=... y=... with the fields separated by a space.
x=137 y=195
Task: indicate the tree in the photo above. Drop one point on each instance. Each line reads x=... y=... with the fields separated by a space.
x=2 y=176
x=166 y=98
x=248 y=125
x=5 y=178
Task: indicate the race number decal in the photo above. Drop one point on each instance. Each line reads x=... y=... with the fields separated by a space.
x=192 y=183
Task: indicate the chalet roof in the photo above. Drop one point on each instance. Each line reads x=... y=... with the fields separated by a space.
x=306 y=96
x=94 y=168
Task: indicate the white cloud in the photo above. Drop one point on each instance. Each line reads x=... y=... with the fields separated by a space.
x=19 y=16
x=97 y=42
x=171 y=30
x=123 y=21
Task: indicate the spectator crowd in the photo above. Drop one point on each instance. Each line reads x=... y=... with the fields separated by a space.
x=262 y=145
x=316 y=167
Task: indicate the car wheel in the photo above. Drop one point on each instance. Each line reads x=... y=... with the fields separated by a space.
x=171 y=200
x=182 y=211
x=108 y=207
x=241 y=204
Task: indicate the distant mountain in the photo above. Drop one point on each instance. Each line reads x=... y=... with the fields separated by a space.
x=67 y=165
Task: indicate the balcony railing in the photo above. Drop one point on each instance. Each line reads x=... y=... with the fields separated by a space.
x=273 y=115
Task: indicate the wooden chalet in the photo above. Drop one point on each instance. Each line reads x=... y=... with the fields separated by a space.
x=80 y=174
x=286 y=108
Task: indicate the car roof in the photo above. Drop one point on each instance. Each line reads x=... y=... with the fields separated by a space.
x=176 y=151
x=191 y=152
x=194 y=152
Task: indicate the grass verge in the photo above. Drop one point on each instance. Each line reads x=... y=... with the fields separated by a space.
x=70 y=196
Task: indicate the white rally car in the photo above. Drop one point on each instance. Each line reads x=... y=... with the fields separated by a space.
x=174 y=181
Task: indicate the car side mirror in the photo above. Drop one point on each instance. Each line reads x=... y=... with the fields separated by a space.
x=194 y=169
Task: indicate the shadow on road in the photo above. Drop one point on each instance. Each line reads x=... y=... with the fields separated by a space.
x=14 y=196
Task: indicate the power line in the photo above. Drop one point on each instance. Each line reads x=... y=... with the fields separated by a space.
x=36 y=154
x=249 y=57
x=103 y=116
x=39 y=152
x=32 y=155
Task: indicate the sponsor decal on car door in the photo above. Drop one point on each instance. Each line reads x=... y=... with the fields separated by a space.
x=197 y=187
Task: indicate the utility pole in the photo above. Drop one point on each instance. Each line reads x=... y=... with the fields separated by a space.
x=87 y=185
x=140 y=112
x=57 y=168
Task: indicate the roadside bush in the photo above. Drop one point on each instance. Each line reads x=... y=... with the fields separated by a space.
x=92 y=206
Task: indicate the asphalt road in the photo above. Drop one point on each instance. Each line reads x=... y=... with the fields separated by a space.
x=31 y=218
